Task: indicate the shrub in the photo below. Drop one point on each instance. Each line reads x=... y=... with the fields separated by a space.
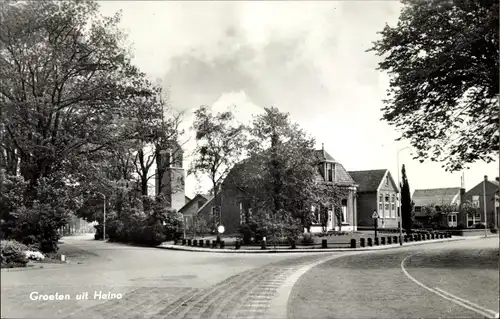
x=246 y=233
x=307 y=239
x=13 y=254
x=479 y=226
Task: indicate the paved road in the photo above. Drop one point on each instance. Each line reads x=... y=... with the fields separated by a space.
x=154 y=283
x=157 y=283
x=418 y=282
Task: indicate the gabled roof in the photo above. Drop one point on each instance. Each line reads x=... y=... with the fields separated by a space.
x=437 y=196
x=324 y=156
x=193 y=200
x=208 y=202
x=187 y=199
x=369 y=180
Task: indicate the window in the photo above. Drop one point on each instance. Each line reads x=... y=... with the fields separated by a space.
x=387 y=181
x=387 y=211
x=380 y=204
x=344 y=211
x=418 y=209
x=452 y=220
x=393 y=206
x=475 y=201
x=329 y=172
x=473 y=219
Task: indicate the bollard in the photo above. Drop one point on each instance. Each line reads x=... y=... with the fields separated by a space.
x=324 y=243
x=214 y=244
x=263 y=244
x=382 y=240
x=195 y=242
x=293 y=245
x=375 y=242
x=389 y=240
x=237 y=245
x=207 y=243
x=370 y=243
x=222 y=244
x=353 y=243
x=184 y=241
x=189 y=242
x=395 y=239
x=362 y=242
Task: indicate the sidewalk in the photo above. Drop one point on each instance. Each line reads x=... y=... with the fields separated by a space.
x=305 y=250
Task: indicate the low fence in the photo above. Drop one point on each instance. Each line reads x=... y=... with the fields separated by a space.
x=352 y=243
x=471 y=232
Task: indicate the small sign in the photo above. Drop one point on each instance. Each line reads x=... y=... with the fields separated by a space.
x=375 y=215
x=221 y=229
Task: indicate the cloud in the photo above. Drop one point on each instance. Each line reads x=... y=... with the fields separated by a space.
x=306 y=58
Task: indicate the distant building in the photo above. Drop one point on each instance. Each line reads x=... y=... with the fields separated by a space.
x=377 y=191
x=191 y=208
x=437 y=197
x=475 y=195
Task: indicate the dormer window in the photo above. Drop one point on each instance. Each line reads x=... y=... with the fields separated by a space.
x=329 y=172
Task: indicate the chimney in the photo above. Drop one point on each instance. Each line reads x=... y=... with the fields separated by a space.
x=486 y=177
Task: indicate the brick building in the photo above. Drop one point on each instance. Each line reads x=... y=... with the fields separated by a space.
x=475 y=195
x=233 y=208
x=377 y=191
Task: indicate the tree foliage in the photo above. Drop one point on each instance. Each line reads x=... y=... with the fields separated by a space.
x=74 y=113
x=442 y=58
x=220 y=143
x=280 y=178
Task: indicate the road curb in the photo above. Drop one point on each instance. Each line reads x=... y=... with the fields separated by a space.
x=325 y=250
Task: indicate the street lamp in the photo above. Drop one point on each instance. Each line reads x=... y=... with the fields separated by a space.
x=400 y=215
x=104 y=219
x=484 y=201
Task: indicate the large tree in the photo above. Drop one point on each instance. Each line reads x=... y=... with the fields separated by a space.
x=280 y=179
x=443 y=62
x=220 y=143
x=406 y=203
x=66 y=87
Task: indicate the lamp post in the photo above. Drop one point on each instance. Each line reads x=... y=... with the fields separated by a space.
x=104 y=218
x=400 y=215
x=484 y=209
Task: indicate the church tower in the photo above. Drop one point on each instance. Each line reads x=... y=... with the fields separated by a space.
x=172 y=184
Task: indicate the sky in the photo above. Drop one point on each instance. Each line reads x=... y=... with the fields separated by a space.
x=306 y=58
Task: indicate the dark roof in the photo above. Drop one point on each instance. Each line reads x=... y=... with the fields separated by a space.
x=323 y=155
x=197 y=196
x=436 y=196
x=342 y=177
x=187 y=199
x=368 y=181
